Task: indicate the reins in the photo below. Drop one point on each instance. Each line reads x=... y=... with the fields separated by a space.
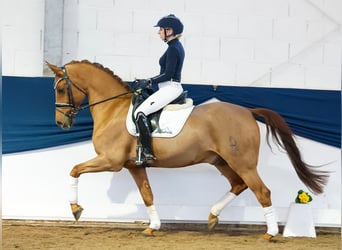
x=86 y=106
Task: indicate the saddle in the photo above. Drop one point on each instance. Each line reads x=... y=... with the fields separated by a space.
x=141 y=95
x=165 y=123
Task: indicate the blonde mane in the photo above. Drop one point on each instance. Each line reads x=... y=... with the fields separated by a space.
x=104 y=69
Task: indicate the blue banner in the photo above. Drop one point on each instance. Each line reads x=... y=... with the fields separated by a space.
x=29 y=112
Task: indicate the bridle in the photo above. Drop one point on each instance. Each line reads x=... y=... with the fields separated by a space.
x=71 y=104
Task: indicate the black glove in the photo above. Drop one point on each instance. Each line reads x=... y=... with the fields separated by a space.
x=143 y=83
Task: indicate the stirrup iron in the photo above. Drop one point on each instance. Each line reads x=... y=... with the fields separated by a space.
x=138 y=160
x=141 y=157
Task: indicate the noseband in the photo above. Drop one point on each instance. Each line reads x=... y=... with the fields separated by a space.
x=71 y=104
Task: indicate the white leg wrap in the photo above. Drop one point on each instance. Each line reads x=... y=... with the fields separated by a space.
x=73 y=196
x=222 y=203
x=154 y=217
x=271 y=220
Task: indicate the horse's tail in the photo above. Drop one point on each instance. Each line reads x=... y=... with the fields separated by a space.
x=314 y=179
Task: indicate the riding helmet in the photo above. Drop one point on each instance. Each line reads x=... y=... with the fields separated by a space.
x=171 y=21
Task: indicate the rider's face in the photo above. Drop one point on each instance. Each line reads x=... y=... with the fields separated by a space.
x=161 y=33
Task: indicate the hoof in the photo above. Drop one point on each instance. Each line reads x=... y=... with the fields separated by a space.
x=148 y=232
x=76 y=211
x=268 y=237
x=212 y=222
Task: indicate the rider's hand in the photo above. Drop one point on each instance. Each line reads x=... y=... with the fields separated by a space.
x=143 y=83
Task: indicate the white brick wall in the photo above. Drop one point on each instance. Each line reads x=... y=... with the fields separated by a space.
x=276 y=43
x=206 y=48
x=290 y=29
x=257 y=43
x=237 y=50
x=255 y=27
x=23 y=34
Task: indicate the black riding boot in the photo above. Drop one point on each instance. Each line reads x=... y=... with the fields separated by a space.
x=143 y=127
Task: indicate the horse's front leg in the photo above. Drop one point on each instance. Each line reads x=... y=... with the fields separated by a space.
x=141 y=179
x=97 y=164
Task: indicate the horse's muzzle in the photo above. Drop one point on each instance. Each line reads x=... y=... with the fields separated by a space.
x=63 y=125
x=65 y=120
x=66 y=123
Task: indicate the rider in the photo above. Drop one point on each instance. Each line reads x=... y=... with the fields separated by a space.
x=169 y=86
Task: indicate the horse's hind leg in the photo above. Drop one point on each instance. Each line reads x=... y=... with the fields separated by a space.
x=263 y=194
x=237 y=187
x=140 y=177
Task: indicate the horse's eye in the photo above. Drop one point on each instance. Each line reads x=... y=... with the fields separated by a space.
x=60 y=91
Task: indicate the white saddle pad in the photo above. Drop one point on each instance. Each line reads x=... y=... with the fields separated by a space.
x=171 y=121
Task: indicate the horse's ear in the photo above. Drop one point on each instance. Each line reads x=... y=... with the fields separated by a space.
x=56 y=70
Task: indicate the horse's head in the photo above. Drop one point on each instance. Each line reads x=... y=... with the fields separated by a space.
x=68 y=94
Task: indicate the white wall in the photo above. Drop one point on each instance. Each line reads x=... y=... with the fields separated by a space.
x=22 y=37
x=276 y=43
x=35 y=186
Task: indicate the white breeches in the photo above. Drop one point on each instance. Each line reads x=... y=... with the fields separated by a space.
x=167 y=92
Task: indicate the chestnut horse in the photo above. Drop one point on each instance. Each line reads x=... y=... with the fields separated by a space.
x=222 y=134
